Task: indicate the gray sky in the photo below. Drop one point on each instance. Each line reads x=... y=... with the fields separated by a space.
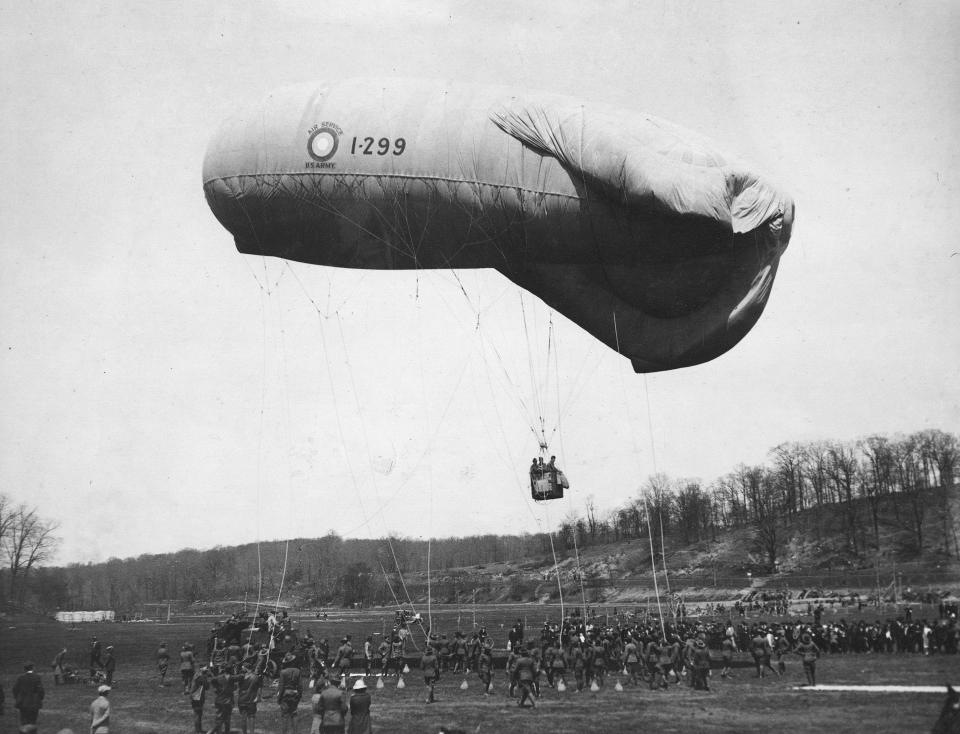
x=160 y=390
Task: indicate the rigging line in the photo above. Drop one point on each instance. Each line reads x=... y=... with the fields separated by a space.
x=286 y=411
x=366 y=440
x=563 y=454
x=524 y=410
x=263 y=402
x=626 y=404
x=533 y=380
x=653 y=459
x=426 y=450
x=426 y=415
x=556 y=566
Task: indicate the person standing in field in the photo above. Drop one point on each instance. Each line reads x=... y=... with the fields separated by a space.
x=95 y=661
x=360 y=710
x=109 y=665
x=430 y=667
x=701 y=666
x=344 y=660
x=329 y=708
x=248 y=695
x=163 y=662
x=485 y=669
x=524 y=673
x=224 y=685
x=726 y=653
x=198 y=694
x=186 y=667
x=58 y=666
x=809 y=652
x=28 y=697
x=100 y=712
x=289 y=693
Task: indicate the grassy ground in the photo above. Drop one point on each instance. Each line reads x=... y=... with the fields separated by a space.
x=743 y=704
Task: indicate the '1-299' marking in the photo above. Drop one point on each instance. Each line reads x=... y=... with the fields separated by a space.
x=369 y=146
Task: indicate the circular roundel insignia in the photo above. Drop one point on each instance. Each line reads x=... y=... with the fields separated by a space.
x=323 y=143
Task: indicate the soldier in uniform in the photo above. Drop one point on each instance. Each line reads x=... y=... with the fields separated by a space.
x=289 y=693
x=809 y=652
x=485 y=668
x=95 y=661
x=199 y=684
x=524 y=673
x=431 y=671
x=186 y=667
x=163 y=662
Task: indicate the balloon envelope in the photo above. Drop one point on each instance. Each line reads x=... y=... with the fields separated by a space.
x=642 y=232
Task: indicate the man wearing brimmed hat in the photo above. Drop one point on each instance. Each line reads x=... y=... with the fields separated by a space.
x=100 y=712
x=701 y=665
x=329 y=708
x=28 y=697
x=360 y=709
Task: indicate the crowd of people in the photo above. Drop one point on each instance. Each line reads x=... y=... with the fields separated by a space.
x=581 y=652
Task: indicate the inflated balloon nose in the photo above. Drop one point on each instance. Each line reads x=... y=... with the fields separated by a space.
x=645 y=234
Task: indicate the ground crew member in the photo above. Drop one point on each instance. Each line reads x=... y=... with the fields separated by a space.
x=631 y=661
x=524 y=673
x=163 y=661
x=431 y=671
x=368 y=653
x=701 y=666
x=485 y=669
x=248 y=695
x=198 y=693
x=343 y=660
x=224 y=686
x=289 y=693
x=809 y=652
x=186 y=668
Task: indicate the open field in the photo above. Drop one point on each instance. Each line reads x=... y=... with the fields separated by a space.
x=743 y=704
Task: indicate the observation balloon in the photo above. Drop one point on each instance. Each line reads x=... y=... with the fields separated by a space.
x=642 y=232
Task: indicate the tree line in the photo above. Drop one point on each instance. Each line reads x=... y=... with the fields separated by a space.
x=861 y=480
x=857 y=482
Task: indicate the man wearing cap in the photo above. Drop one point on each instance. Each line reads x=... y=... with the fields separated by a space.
x=100 y=712
x=289 y=693
x=360 y=710
x=485 y=667
x=28 y=697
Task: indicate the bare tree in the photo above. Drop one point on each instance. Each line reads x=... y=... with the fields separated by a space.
x=27 y=541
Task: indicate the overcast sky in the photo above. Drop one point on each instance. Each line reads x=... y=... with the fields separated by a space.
x=159 y=390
